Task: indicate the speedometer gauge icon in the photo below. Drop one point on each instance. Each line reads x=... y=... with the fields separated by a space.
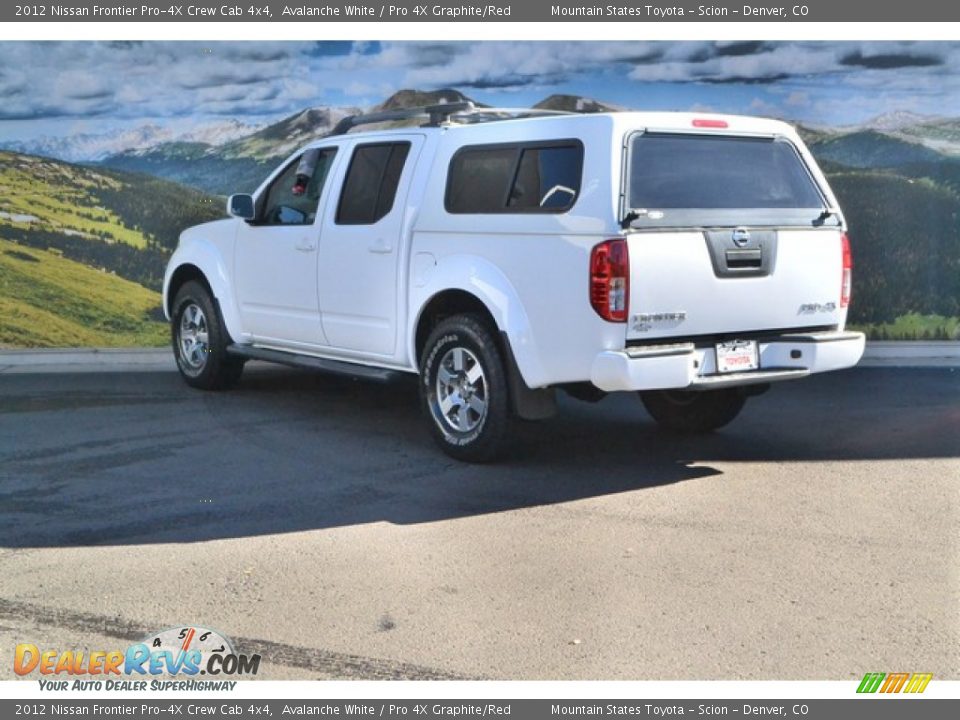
x=190 y=638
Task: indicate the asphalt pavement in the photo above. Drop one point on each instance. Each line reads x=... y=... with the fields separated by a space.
x=312 y=519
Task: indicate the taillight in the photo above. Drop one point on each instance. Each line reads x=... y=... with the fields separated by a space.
x=610 y=279
x=846 y=272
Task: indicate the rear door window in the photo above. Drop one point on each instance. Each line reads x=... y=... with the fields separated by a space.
x=370 y=186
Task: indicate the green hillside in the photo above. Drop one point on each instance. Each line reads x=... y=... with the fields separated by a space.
x=905 y=237
x=871 y=149
x=49 y=301
x=197 y=167
x=124 y=223
x=82 y=252
x=59 y=197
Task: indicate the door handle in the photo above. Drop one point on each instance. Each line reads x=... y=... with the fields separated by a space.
x=380 y=246
x=306 y=245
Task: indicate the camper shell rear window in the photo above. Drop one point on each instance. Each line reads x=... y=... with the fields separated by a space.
x=704 y=180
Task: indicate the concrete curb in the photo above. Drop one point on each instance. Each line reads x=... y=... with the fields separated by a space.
x=921 y=353
x=67 y=360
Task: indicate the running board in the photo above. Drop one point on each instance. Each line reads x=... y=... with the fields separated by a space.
x=312 y=362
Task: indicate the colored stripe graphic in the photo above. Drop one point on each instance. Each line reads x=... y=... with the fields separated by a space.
x=918 y=682
x=894 y=682
x=870 y=682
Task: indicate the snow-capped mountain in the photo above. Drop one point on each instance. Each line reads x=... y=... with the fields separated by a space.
x=575 y=103
x=219 y=133
x=283 y=137
x=93 y=147
x=897 y=120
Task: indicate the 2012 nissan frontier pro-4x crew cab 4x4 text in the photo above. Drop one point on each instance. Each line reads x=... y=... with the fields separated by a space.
x=503 y=255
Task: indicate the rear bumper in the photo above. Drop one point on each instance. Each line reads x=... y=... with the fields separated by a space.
x=693 y=367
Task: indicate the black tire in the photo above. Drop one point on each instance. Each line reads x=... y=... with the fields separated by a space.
x=204 y=365
x=463 y=432
x=693 y=412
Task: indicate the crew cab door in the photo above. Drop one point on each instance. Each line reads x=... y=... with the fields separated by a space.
x=275 y=260
x=360 y=246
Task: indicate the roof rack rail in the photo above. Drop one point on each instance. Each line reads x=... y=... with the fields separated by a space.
x=438 y=114
x=517 y=112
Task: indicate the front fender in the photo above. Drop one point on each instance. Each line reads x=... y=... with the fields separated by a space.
x=486 y=282
x=205 y=256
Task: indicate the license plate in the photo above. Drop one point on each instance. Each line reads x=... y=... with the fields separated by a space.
x=737 y=356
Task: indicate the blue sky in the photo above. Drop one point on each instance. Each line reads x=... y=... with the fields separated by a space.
x=62 y=88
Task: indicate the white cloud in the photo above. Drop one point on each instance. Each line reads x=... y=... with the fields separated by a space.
x=797 y=99
x=171 y=80
x=759 y=106
x=154 y=79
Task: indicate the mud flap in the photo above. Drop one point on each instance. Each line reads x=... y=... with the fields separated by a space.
x=526 y=403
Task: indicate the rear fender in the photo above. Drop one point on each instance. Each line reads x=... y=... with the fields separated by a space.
x=487 y=283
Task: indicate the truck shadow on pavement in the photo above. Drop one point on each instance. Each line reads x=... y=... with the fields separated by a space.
x=138 y=458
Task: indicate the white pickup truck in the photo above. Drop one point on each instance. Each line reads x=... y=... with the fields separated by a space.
x=503 y=255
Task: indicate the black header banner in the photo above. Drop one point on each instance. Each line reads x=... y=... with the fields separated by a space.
x=482 y=11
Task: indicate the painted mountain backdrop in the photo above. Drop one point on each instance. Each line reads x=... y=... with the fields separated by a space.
x=239 y=165
x=86 y=224
x=82 y=251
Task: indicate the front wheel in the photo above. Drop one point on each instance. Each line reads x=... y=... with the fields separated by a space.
x=200 y=341
x=463 y=389
x=693 y=412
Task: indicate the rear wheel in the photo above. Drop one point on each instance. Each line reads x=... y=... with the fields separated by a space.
x=200 y=341
x=693 y=412
x=463 y=389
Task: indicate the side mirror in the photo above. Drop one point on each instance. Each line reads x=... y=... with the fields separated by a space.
x=241 y=206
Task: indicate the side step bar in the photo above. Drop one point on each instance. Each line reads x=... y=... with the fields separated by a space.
x=312 y=362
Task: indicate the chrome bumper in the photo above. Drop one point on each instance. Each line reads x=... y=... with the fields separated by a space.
x=694 y=367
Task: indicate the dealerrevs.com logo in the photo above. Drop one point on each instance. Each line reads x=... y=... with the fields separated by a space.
x=184 y=652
